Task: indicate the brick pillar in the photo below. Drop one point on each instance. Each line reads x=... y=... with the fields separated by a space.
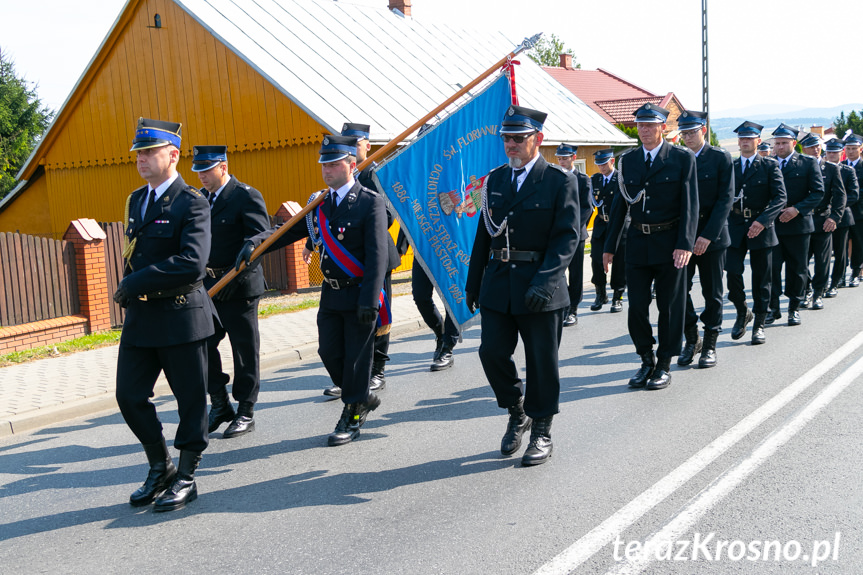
x=298 y=270
x=87 y=237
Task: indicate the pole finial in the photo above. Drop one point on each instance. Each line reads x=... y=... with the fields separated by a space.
x=527 y=43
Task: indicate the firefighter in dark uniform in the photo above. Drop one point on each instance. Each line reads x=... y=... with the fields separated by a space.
x=605 y=187
x=565 y=155
x=659 y=189
x=523 y=246
x=853 y=143
x=834 y=149
x=169 y=315
x=828 y=214
x=804 y=188
x=715 y=194
x=237 y=213
x=350 y=229
x=764 y=149
x=758 y=199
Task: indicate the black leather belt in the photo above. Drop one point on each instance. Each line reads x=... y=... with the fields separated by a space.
x=516 y=256
x=746 y=212
x=343 y=283
x=216 y=273
x=175 y=292
x=655 y=228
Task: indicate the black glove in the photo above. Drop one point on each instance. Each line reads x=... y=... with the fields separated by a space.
x=366 y=314
x=245 y=254
x=121 y=296
x=536 y=298
x=472 y=301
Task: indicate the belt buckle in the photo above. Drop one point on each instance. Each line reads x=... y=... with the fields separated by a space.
x=645 y=229
x=142 y=297
x=334 y=284
x=211 y=273
x=180 y=299
x=747 y=213
x=504 y=255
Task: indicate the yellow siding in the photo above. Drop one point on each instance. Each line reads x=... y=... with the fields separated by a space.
x=30 y=212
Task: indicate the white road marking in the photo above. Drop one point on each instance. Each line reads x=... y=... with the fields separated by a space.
x=607 y=531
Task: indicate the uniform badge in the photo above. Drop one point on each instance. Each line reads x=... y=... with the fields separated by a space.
x=195 y=151
x=511 y=111
x=326 y=141
x=341 y=235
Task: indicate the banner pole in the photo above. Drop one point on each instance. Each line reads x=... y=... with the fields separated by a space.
x=526 y=44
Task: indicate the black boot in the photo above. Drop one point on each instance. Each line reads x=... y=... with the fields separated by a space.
x=648 y=363
x=744 y=316
x=758 y=336
x=832 y=290
x=444 y=359
x=691 y=347
x=661 y=377
x=807 y=299
x=438 y=344
x=571 y=317
x=793 y=313
x=617 y=301
x=817 y=301
x=601 y=298
x=221 y=410
x=540 y=447
x=378 y=381
x=518 y=423
x=708 y=350
x=162 y=472
x=353 y=417
x=244 y=422
x=183 y=490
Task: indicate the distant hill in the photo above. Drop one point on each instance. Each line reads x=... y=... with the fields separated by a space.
x=768 y=112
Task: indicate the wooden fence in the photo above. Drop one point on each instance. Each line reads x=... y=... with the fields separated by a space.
x=38 y=279
x=114 y=266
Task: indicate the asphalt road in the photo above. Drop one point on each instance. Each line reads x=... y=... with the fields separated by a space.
x=763 y=448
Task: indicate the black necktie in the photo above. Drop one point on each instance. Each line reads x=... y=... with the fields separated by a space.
x=746 y=167
x=151 y=203
x=515 y=175
x=335 y=197
x=782 y=164
x=648 y=162
x=212 y=199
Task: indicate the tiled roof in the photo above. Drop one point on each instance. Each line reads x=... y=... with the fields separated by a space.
x=620 y=111
x=597 y=85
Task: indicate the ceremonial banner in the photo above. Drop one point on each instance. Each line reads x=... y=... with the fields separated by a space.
x=435 y=186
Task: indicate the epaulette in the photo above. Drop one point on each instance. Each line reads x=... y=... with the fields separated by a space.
x=194 y=191
x=498 y=168
x=246 y=186
x=559 y=168
x=315 y=195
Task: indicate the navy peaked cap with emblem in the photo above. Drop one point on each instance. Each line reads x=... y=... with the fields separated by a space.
x=785 y=131
x=763 y=146
x=853 y=140
x=691 y=120
x=651 y=114
x=835 y=145
x=360 y=131
x=521 y=120
x=748 y=130
x=564 y=150
x=603 y=156
x=810 y=140
x=335 y=148
x=208 y=157
x=155 y=134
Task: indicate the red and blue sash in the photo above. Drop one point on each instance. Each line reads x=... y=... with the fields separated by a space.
x=350 y=265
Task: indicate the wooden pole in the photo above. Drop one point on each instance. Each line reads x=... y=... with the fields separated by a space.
x=386 y=149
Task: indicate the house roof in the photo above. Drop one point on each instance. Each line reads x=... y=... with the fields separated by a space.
x=621 y=111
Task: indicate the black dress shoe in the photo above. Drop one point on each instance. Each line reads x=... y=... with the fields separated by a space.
x=378 y=382
x=160 y=476
x=692 y=346
x=661 y=377
x=648 y=363
x=518 y=423
x=854 y=282
x=842 y=283
x=353 y=417
x=601 y=299
x=817 y=302
x=739 y=327
x=708 y=352
x=540 y=447
x=571 y=318
x=444 y=360
x=221 y=410
x=807 y=299
x=831 y=292
x=794 y=318
x=334 y=391
x=758 y=336
x=772 y=316
x=617 y=301
x=241 y=425
x=183 y=490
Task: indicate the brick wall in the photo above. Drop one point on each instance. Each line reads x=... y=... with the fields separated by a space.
x=39 y=333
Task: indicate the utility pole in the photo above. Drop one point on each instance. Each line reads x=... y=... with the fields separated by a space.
x=705 y=104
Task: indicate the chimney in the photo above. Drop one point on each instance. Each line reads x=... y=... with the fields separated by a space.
x=403 y=6
x=566 y=61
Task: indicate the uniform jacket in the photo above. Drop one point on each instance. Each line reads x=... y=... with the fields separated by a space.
x=172 y=244
x=833 y=200
x=671 y=195
x=361 y=219
x=543 y=216
x=858 y=170
x=804 y=188
x=852 y=194
x=238 y=214
x=584 y=191
x=715 y=194
x=761 y=190
x=603 y=195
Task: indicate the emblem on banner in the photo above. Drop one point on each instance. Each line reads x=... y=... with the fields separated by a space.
x=463 y=203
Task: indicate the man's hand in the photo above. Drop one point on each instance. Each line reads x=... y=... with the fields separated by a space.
x=245 y=255
x=607 y=258
x=681 y=258
x=701 y=245
x=788 y=214
x=755 y=229
x=121 y=296
x=472 y=301
x=307 y=256
x=829 y=225
x=366 y=314
x=536 y=298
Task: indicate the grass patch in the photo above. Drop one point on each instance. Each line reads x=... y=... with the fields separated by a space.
x=276 y=308
x=87 y=342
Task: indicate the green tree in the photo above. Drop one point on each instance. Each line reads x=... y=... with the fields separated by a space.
x=23 y=120
x=853 y=122
x=547 y=52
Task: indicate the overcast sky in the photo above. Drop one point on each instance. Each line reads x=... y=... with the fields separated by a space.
x=788 y=55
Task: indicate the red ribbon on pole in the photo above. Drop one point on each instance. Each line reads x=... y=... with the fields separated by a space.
x=509 y=70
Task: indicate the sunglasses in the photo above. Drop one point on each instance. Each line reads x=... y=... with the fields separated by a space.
x=517 y=138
